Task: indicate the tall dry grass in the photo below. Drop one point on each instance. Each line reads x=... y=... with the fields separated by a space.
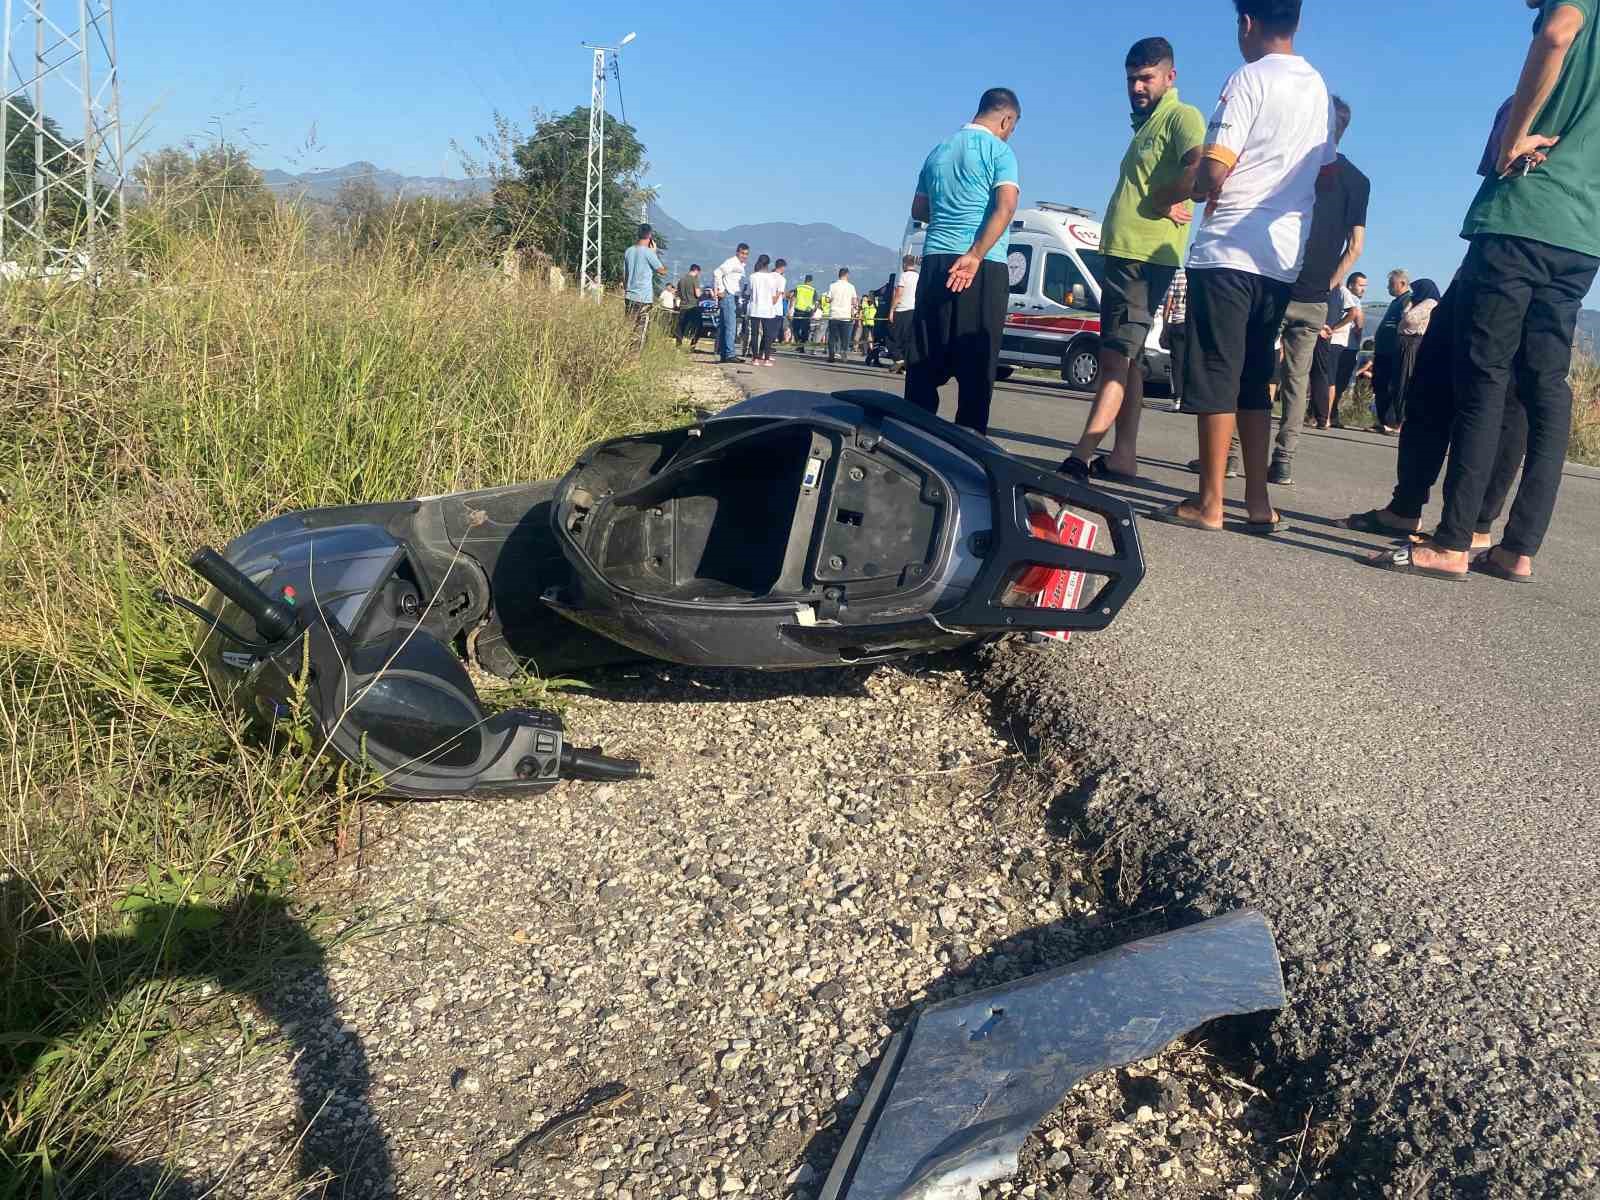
x=230 y=378
x=1355 y=409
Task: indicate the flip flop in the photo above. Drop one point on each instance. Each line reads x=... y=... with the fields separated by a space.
x=1399 y=561
x=1485 y=564
x=1368 y=522
x=1262 y=528
x=1171 y=516
x=1099 y=470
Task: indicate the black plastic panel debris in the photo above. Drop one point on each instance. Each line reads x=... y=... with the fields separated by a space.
x=960 y=1089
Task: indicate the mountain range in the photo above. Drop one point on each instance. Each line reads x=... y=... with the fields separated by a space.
x=817 y=249
x=324 y=185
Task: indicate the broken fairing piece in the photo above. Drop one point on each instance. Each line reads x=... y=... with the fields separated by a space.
x=959 y=1090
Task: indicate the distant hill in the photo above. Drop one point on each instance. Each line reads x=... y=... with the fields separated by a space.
x=324 y=185
x=818 y=250
x=1589 y=329
x=1588 y=339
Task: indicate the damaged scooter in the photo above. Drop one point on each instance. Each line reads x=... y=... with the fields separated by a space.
x=794 y=530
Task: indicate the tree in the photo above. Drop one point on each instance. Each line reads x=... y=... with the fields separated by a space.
x=538 y=198
x=205 y=185
x=65 y=211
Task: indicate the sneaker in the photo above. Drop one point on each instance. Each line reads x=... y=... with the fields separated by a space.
x=1279 y=473
x=1234 y=469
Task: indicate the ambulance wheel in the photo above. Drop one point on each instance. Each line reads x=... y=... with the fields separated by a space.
x=1080 y=366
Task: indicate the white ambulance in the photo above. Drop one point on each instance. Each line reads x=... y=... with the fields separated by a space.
x=1054 y=317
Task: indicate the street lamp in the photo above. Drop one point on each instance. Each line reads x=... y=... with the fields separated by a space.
x=595 y=175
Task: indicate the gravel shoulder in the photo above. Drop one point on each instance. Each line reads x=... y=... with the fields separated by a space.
x=681 y=987
x=718 y=955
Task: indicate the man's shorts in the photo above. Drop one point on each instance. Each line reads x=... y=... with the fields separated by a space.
x=1234 y=318
x=1131 y=295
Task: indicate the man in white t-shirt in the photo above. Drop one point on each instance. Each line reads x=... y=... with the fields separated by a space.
x=729 y=279
x=1335 y=363
x=1269 y=138
x=901 y=308
x=842 y=306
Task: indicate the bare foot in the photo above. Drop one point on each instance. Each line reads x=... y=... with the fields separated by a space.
x=1194 y=512
x=1480 y=541
x=1435 y=558
x=1113 y=463
x=1516 y=564
x=1399 y=524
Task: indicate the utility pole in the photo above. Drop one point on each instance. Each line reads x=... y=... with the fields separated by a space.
x=594 y=187
x=76 y=187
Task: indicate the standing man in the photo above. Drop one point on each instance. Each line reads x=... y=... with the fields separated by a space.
x=1309 y=368
x=640 y=266
x=901 y=309
x=1342 y=338
x=869 y=319
x=1534 y=248
x=689 y=306
x=841 y=315
x=1269 y=138
x=1386 y=350
x=1145 y=229
x=804 y=298
x=729 y=280
x=967 y=195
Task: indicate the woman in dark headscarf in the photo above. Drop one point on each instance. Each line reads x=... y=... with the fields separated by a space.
x=1413 y=325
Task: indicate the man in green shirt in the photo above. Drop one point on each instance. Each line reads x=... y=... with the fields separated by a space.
x=1534 y=232
x=1143 y=239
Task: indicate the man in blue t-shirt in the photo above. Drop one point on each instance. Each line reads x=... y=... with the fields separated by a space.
x=967 y=195
x=640 y=266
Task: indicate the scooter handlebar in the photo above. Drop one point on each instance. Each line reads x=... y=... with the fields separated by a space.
x=274 y=620
x=595 y=767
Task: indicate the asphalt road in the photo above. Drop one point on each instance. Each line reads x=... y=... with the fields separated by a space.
x=1402 y=773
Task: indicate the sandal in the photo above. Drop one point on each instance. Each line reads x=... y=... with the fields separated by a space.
x=1265 y=527
x=1485 y=564
x=1171 y=516
x=1399 y=561
x=1371 y=522
x=1099 y=470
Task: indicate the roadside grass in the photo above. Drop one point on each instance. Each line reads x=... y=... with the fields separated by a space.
x=147 y=842
x=1584 y=444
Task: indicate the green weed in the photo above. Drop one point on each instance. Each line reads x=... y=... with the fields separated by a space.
x=228 y=379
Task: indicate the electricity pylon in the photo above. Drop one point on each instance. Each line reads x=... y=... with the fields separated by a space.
x=594 y=187
x=63 y=174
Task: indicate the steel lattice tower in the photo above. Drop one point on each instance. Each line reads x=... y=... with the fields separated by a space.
x=63 y=174
x=594 y=188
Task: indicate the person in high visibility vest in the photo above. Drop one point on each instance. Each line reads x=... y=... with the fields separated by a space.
x=869 y=319
x=804 y=302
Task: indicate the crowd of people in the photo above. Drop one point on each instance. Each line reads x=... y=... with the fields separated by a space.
x=1263 y=306
x=748 y=309
x=1269 y=306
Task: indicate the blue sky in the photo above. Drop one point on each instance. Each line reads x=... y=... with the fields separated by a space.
x=818 y=111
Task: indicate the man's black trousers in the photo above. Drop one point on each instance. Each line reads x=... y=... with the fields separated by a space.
x=956 y=335
x=1516 y=314
x=1430 y=415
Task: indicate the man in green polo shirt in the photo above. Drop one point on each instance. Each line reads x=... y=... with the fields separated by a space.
x=1534 y=236
x=1143 y=240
